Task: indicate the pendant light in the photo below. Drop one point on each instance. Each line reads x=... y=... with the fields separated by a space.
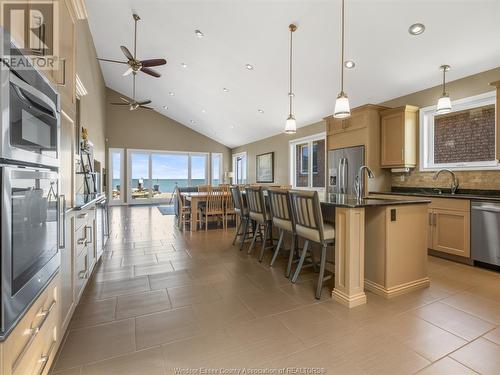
x=342 y=109
x=444 y=102
x=291 y=124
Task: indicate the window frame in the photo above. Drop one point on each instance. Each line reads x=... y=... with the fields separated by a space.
x=123 y=183
x=293 y=161
x=221 y=163
x=426 y=136
x=235 y=178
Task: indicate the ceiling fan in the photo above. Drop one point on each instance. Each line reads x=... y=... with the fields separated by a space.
x=135 y=65
x=134 y=104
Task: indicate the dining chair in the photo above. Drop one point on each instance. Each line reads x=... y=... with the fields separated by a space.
x=282 y=216
x=204 y=188
x=214 y=206
x=309 y=225
x=183 y=210
x=241 y=211
x=229 y=207
x=261 y=216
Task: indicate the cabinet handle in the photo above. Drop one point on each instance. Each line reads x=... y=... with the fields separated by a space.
x=430 y=219
x=63 y=83
x=33 y=331
x=45 y=358
x=83 y=216
x=91 y=230
x=83 y=274
x=435 y=219
x=63 y=214
x=403 y=154
x=83 y=241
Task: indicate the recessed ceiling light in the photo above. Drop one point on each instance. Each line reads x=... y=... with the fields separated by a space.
x=203 y=111
x=225 y=89
x=171 y=93
x=249 y=66
x=260 y=110
x=192 y=122
x=199 y=34
x=416 y=29
x=349 y=64
x=184 y=65
x=232 y=126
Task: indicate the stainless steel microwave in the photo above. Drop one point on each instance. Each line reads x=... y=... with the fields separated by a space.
x=30 y=111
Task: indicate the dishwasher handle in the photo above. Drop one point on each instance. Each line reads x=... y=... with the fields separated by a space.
x=485 y=206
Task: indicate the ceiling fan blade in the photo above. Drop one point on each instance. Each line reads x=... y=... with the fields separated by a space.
x=119 y=103
x=125 y=100
x=143 y=106
x=127 y=53
x=153 y=62
x=128 y=71
x=144 y=102
x=151 y=72
x=113 y=61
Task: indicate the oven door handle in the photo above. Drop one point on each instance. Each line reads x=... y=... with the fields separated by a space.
x=21 y=85
x=62 y=212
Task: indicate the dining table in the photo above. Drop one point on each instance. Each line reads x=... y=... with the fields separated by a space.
x=196 y=197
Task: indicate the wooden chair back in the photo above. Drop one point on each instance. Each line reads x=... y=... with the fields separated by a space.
x=307 y=211
x=215 y=200
x=255 y=201
x=204 y=188
x=279 y=204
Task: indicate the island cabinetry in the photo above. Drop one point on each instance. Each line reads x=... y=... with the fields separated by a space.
x=449 y=226
x=399 y=137
x=32 y=345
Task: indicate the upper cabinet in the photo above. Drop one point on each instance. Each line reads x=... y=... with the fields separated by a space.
x=399 y=137
x=357 y=120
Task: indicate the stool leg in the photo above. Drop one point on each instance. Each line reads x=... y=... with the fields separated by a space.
x=282 y=232
x=290 y=258
x=266 y=232
x=321 y=271
x=237 y=232
x=245 y=230
x=301 y=262
x=252 y=244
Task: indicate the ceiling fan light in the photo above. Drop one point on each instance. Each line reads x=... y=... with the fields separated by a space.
x=291 y=125
x=444 y=105
x=342 y=108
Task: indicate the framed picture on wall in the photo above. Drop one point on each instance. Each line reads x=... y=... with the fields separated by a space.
x=265 y=168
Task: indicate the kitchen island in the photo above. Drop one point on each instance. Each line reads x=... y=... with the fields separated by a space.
x=380 y=245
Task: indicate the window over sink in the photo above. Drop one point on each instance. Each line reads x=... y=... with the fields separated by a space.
x=464 y=139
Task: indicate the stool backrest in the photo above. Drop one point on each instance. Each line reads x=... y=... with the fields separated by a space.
x=307 y=211
x=255 y=200
x=236 y=198
x=279 y=204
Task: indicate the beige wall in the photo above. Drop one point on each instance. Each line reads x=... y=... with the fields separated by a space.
x=149 y=130
x=468 y=86
x=472 y=85
x=93 y=105
x=280 y=145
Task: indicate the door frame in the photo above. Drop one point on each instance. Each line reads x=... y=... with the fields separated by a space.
x=123 y=184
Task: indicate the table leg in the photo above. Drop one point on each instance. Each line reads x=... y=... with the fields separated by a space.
x=194 y=213
x=349 y=256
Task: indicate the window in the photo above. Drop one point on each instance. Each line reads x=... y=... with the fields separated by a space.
x=216 y=165
x=116 y=175
x=464 y=139
x=307 y=161
x=240 y=168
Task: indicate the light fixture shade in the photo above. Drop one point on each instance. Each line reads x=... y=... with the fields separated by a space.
x=342 y=108
x=291 y=125
x=444 y=105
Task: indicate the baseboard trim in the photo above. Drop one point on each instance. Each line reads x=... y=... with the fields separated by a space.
x=349 y=301
x=398 y=289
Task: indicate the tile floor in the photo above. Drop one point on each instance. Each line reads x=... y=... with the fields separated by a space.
x=162 y=300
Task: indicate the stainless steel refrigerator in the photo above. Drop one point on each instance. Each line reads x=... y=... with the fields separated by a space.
x=343 y=166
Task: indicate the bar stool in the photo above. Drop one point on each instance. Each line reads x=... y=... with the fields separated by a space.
x=309 y=225
x=242 y=212
x=260 y=215
x=281 y=212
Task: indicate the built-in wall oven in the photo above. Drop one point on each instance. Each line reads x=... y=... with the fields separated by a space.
x=30 y=111
x=30 y=237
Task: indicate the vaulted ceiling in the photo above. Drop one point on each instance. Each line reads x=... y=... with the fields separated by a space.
x=389 y=61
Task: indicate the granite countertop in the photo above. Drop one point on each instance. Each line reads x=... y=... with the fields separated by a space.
x=83 y=201
x=349 y=201
x=486 y=195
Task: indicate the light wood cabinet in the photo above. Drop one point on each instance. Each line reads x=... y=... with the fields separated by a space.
x=450 y=232
x=66 y=272
x=399 y=137
x=357 y=120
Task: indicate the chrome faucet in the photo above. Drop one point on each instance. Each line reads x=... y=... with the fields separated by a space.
x=454 y=182
x=360 y=185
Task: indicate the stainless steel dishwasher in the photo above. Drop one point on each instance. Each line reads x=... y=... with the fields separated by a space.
x=485 y=232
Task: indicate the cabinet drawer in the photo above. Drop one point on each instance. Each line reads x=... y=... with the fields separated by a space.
x=41 y=317
x=451 y=204
x=39 y=357
x=81 y=273
x=81 y=239
x=82 y=218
